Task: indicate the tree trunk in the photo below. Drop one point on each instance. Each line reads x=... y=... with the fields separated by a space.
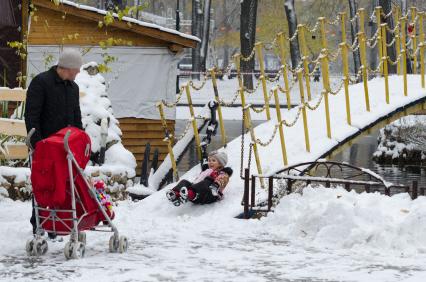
x=404 y=10
x=373 y=51
x=247 y=38
x=206 y=34
x=196 y=31
x=353 y=7
x=292 y=27
x=387 y=8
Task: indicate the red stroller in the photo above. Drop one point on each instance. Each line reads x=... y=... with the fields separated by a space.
x=64 y=201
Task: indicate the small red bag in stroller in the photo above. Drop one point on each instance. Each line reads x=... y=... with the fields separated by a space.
x=52 y=187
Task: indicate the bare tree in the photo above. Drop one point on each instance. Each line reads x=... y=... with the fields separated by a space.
x=247 y=38
x=373 y=51
x=196 y=27
x=206 y=34
x=353 y=7
x=391 y=51
x=292 y=27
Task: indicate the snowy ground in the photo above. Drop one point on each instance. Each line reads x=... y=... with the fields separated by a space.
x=326 y=235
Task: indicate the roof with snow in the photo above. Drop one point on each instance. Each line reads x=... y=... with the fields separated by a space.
x=125 y=23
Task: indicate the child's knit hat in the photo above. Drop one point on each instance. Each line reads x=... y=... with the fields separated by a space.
x=221 y=157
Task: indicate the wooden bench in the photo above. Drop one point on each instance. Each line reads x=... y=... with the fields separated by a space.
x=14 y=127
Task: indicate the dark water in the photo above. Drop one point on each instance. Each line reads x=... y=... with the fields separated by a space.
x=359 y=154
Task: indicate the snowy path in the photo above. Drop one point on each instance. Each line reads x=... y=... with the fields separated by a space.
x=326 y=235
x=191 y=244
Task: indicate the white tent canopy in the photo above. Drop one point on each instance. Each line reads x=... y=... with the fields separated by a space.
x=140 y=76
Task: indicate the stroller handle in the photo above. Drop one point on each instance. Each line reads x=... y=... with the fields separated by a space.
x=67 y=135
x=28 y=139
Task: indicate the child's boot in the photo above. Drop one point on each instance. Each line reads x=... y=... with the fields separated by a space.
x=184 y=194
x=173 y=197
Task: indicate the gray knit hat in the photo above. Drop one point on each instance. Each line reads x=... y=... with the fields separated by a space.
x=221 y=157
x=70 y=59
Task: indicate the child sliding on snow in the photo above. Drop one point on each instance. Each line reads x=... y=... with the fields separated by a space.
x=208 y=187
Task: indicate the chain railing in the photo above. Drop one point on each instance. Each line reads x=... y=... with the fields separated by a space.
x=307 y=68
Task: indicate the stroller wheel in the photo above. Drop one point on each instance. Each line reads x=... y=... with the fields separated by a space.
x=82 y=237
x=68 y=250
x=40 y=247
x=113 y=244
x=29 y=247
x=123 y=244
x=78 y=250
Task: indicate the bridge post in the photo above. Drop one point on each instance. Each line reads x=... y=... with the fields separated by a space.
x=364 y=67
x=280 y=124
x=237 y=59
x=422 y=49
x=263 y=78
x=246 y=192
x=284 y=69
x=219 y=107
x=397 y=40
x=414 y=38
x=343 y=26
x=385 y=61
x=344 y=48
x=270 y=191
x=194 y=122
x=325 y=76
x=404 y=53
x=247 y=122
x=378 y=11
x=305 y=119
x=415 y=190
x=361 y=13
x=169 y=140
x=302 y=42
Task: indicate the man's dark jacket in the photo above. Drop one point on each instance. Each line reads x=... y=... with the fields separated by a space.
x=51 y=104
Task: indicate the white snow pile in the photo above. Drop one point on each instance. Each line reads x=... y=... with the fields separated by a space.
x=336 y=219
x=95 y=106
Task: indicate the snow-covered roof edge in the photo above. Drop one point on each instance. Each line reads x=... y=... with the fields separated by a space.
x=131 y=20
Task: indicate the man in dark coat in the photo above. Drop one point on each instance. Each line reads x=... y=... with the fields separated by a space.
x=53 y=100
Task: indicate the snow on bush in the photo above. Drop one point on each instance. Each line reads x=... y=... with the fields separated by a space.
x=403 y=141
x=120 y=164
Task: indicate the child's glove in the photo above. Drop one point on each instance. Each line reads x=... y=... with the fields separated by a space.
x=215 y=189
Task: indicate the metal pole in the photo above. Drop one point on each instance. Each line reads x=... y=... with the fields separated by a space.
x=305 y=119
x=247 y=121
x=422 y=50
x=378 y=10
x=344 y=48
x=169 y=140
x=397 y=40
x=246 y=192
x=385 y=61
x=284 y=69
x=414 y=38
x=263 y=78
x=194 y=122
x=363 y=53
x=278 y=109
x=301 y=31
x=177 y=16
x=219 y=107
x=404 y=53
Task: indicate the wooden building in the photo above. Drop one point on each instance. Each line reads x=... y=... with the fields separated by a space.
x=143 y=74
